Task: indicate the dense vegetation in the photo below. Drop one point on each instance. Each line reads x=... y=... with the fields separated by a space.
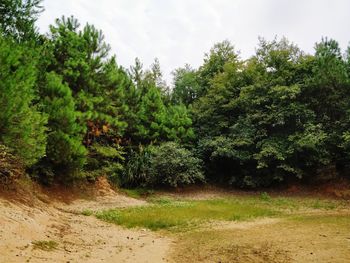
x=69 y=111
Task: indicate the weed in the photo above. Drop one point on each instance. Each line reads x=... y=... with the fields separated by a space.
x=45 y=245
x=87 y=212
x=265 y=196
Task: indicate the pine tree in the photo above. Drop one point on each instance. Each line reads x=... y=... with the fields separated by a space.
x=65 y=151
x=22 y=127
x=151 y=116
x=17 y=18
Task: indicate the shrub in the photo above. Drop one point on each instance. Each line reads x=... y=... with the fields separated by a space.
x=137 y=168
x=166 y=165
x=172 y=165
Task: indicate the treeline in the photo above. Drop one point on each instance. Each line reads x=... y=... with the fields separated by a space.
x=69 y=111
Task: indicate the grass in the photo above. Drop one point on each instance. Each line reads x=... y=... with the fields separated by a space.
x=179 y=215
x=45 y=245
x=87 y=212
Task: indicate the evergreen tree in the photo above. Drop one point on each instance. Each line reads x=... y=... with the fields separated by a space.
x=65 y=151
x=151 y=116
x=22 y=127
x=178 y=124
x=17 y=18
x=81 y=58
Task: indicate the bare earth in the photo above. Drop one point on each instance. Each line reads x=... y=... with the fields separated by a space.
x=82 y=238
x=267 y=240
x=79 y=238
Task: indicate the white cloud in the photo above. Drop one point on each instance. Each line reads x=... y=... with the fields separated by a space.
x=181 y=31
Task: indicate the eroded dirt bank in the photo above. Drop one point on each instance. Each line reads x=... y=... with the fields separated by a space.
x=79 y=238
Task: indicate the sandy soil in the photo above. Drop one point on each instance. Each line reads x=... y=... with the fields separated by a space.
x=82 y=238
x=79 y=238
x=323 y=239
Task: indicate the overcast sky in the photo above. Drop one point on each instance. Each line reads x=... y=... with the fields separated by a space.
x=181 y=31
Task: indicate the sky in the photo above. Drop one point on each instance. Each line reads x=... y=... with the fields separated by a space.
x=182 y=31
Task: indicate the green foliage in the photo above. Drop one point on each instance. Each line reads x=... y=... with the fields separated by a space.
x=186 y=86
x=137 y=168
x=151 y=116
x=259 y=122
x=178 y=124
x=80 y=56
x=64 y=148
x=21 y=125
x=220 y=54
x=172 y=165
x=17 y=18
x=106 y=160
x=168 y=164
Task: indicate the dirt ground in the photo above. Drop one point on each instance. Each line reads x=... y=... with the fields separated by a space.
x=79 y=238
x=323 y=238
x=269 y=240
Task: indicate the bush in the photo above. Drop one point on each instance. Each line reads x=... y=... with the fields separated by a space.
x=172 y=165
x=137 y=168
x=164 y=165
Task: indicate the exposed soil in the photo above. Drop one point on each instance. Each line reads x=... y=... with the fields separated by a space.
x=79 y=238
x=269 y=240
x=318 y=237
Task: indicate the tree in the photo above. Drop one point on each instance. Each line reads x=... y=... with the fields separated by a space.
x=22 y=126
x=178 y=124
x=214 y=62
x=151 y=116
x=254 y=127
x=328 y=93
x=81 y=58
x=186 y=86
x=18 y=17
x=65 y=151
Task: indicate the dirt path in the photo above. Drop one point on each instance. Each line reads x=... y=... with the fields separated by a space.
x=79 y=238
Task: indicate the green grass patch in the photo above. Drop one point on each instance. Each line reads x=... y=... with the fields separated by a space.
x=181 y=215
x=45 y=245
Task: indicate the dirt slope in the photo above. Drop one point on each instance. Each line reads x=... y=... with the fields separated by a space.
x=79 y=238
